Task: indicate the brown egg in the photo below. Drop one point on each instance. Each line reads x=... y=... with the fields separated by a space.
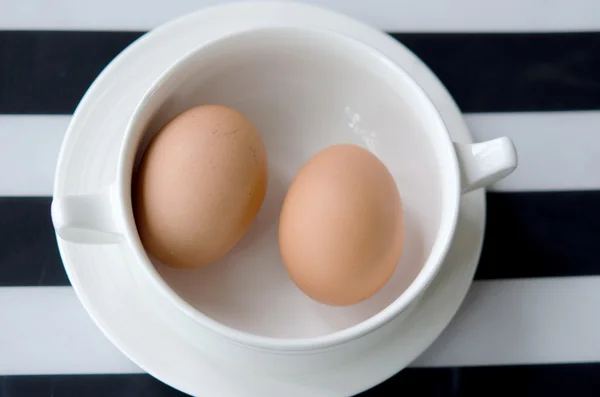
x=341 y=226
x=199 y=186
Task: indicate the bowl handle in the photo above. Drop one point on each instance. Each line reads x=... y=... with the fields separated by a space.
x=87 y=218
x=484 y=163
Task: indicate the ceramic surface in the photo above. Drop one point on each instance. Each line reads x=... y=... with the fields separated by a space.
x=305 y=89
x=108 y=289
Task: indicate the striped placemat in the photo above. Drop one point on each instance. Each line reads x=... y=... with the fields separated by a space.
x=528 y=69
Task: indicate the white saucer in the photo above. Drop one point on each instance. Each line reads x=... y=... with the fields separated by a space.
x=100 y=274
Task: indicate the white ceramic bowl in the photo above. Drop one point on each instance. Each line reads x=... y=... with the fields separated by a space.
x=305 y=89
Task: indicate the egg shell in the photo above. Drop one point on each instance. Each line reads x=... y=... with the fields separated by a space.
x=341 y=226
x=199 y=186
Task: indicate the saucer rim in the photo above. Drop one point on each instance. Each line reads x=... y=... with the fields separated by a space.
x=369 y=369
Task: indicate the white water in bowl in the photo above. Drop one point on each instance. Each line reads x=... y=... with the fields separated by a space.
x=303 y=98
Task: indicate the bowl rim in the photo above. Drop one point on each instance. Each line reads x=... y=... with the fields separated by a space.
x=439 y=250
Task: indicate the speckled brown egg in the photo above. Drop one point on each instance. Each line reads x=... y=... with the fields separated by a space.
x=199 y=186
x=341 y=226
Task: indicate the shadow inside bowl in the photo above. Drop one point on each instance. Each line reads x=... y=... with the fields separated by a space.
x=257 y=295
x=411 y=263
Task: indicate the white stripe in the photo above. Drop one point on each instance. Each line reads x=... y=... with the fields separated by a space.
x=530 y=321
x=29 y=147
x=45 y=330
x=391 y=15
x=554 y=320
x=557 y=151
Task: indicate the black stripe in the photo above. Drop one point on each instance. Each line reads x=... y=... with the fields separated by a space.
x=564 y=380
x=514 y=72
x=47 y=72
x=122 y=385
x=527 y=235
x=541 y=235
x=561 y=380
x=28 y=251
